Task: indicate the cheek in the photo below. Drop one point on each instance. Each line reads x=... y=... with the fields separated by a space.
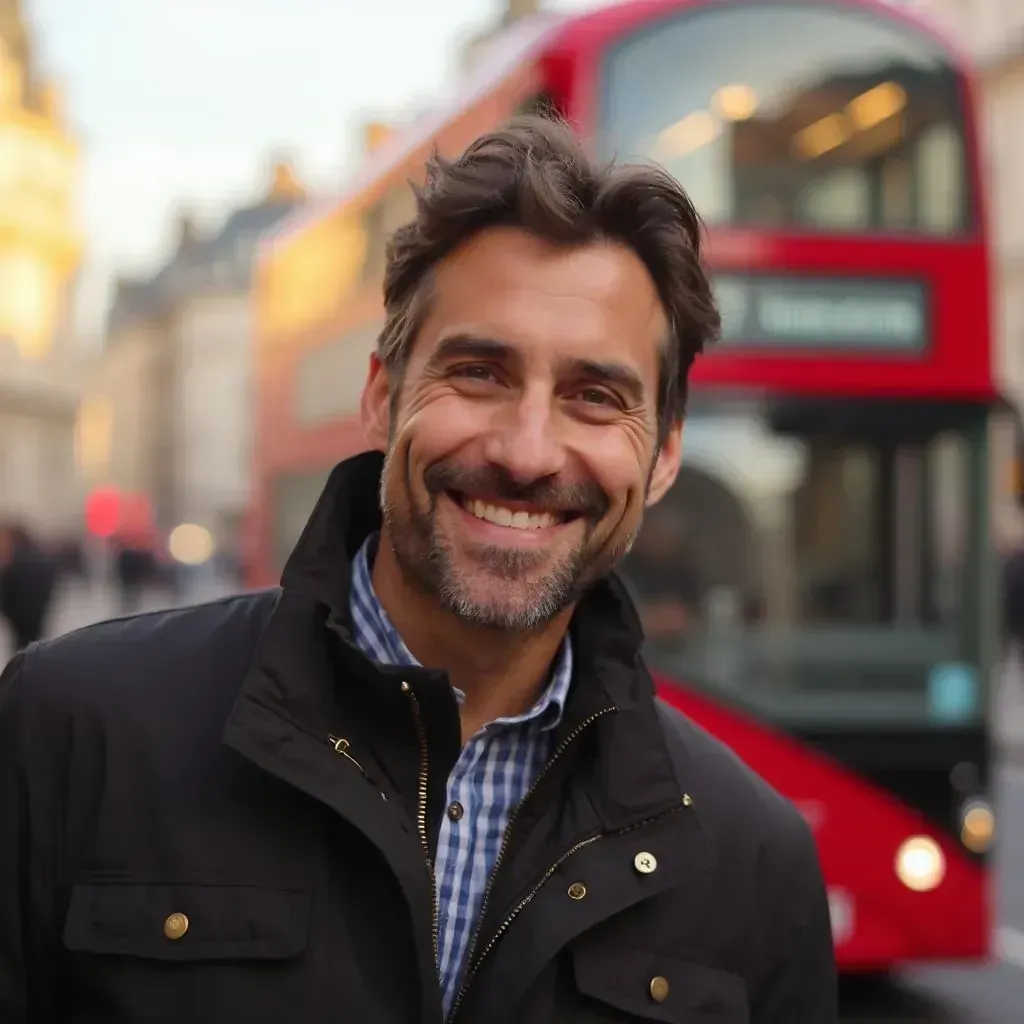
x=621 y=467
x=436 y=429
x=427 y=432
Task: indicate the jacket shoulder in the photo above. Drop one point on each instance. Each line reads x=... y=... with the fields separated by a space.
x=736 y=805
x=765 y=851
x=155 y=660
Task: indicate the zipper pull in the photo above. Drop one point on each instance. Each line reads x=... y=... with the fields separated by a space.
x=340 y=745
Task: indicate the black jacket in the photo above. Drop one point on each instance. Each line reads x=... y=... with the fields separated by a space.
x=191 y=763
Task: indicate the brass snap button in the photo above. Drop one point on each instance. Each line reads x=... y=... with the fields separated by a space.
x=175 y=926
x=456 y=811
x=645 y=863
x=577 y=891
x=659 y=988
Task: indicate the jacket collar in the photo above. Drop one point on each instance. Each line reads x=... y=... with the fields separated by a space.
x=347 y=512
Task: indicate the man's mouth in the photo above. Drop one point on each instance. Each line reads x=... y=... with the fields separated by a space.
x=514 y=516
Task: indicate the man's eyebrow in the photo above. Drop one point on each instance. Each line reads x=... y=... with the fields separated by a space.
x=471 y=346
x=609 y=372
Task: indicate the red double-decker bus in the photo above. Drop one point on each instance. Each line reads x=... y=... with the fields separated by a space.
x=819 y=589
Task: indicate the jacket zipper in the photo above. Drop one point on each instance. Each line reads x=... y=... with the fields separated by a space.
x=421 y=817
x=539 y=884
x=471 y=966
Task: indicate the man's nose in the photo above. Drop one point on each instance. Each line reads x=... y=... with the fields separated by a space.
x=526 y=440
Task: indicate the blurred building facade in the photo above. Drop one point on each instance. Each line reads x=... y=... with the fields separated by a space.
x=993 y=32
x=168 y=410
x=474 y=48
x=40 y=252
x=212 y=371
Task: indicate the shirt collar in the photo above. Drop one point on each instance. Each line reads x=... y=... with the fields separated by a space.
x=376 y=636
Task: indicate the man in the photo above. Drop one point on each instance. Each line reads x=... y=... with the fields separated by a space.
x=428 y=780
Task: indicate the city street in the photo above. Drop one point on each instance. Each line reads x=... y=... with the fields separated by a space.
x=935 y=996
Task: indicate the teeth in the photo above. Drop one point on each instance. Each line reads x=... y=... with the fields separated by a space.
x=506 y=517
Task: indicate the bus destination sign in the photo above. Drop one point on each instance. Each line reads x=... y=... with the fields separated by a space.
x=828 y=314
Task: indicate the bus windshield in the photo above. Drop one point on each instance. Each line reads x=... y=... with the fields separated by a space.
x=820 y=561
x=795 y=116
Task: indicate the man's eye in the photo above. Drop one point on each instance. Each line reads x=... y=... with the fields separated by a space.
x=595 y=396
x=474 y=371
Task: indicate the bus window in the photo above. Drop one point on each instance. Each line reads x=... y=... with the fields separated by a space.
x=795 y=115
x=820 y=560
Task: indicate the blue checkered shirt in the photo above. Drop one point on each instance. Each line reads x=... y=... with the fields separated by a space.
x=494 y=772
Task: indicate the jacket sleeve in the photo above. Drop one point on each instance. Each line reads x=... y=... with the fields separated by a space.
x=28 y=939
x=803 y=986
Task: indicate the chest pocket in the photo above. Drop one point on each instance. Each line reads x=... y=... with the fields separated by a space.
x=633 y=985
x=141 y=952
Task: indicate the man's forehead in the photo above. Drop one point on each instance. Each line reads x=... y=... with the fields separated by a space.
x=507 y=259
x=515 y=287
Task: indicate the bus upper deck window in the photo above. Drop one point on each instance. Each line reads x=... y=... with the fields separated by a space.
x=774 y=115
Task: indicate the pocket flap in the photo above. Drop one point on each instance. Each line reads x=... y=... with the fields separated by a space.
x=655 y=987
x=187 y=922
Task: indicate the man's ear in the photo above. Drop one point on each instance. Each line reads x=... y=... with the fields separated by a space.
x=375 y=406
x=666 y=465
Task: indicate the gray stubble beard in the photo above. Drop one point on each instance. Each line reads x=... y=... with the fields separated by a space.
x=433 y=571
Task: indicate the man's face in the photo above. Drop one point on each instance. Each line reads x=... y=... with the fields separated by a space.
x=522 y=445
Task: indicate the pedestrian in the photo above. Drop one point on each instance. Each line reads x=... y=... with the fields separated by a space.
x=28 y=577
x=428 y=780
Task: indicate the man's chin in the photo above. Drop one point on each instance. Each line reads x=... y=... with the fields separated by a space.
x=508 y=604
x=501 y=616
x=498 y=569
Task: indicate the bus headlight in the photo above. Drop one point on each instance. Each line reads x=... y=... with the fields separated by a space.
x=978 y=826
x=920 y=864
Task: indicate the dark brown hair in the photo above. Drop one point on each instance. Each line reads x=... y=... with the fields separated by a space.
x=535 y=174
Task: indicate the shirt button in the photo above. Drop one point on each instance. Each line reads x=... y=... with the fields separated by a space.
x=456 y=811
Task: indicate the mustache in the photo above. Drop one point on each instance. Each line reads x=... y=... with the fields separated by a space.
x=582 y=497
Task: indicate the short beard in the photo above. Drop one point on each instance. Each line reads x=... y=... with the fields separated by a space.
x=550 y=595
x=428 y=563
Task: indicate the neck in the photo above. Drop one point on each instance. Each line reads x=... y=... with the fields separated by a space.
x=501 y=673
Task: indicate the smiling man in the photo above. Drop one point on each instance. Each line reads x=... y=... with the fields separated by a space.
x=428 y=780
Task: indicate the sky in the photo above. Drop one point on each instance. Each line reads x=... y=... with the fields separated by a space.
x=178 y=103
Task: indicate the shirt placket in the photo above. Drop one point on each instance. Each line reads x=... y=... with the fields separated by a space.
x=457 y=853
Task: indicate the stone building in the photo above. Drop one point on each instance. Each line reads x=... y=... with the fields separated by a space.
x=40 y=251
x=169 y=397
